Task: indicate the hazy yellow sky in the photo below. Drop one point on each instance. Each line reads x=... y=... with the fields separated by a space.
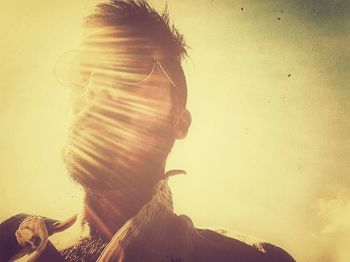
x=268 y=151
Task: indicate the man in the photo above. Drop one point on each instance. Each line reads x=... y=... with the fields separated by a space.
x=129 y=99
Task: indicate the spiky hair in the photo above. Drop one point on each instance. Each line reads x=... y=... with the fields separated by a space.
x=141 y=20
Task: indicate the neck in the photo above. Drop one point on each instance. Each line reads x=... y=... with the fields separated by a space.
x=106 y=211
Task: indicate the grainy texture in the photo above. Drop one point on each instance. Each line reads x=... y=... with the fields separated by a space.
x=156 y=233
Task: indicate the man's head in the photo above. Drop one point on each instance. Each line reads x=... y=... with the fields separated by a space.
x=132 y=105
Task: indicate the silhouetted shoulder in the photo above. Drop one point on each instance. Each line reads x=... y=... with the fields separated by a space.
x=274 y=253
x=9 y=246
x=247 y=247
x=8 y=242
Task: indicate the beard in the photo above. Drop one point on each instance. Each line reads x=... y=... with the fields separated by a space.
x=125 y=155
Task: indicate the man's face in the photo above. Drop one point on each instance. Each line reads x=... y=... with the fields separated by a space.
x=124 y=128
x=135 y=116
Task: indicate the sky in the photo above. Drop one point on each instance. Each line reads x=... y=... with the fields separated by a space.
x=268 y=88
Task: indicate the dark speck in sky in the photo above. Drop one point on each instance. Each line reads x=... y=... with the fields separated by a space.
x=289 y=75
x=278 y=18
x=241 y=8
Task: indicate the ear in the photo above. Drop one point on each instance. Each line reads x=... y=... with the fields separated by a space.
x=182 y=125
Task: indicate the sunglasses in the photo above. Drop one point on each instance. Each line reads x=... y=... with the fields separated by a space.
x=75 y=68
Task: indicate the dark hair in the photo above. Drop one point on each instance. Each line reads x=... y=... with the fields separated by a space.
x=132 y=20
x=140 y=17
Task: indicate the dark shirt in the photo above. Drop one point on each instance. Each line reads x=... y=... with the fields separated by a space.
x=155 y=233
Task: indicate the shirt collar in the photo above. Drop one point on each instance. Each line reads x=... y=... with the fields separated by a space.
x=160 y=205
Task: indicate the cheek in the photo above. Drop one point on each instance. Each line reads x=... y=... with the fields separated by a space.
x=153 y=113
x=152 y=119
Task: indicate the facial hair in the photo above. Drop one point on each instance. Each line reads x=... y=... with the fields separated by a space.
x=101 y=157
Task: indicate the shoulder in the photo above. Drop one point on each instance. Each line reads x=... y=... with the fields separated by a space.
x=40 y=227
x=227 y=245
x=8 y=242
x=268 y=251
